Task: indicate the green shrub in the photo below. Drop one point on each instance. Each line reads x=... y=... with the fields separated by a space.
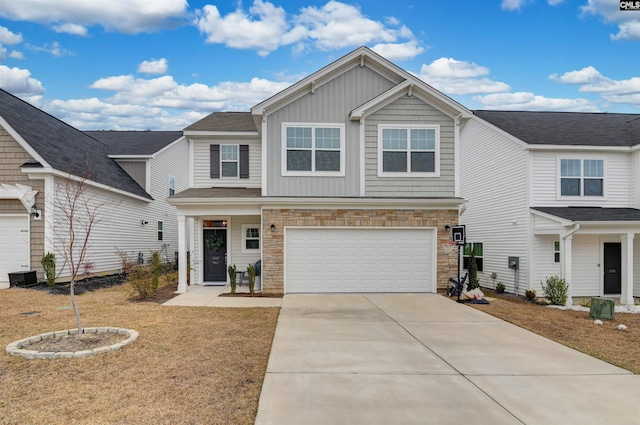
x=139 y=277
x=474 y=282
x=500 y=288
x=556 y=290
x=251 y=272
x=530 y=294
x=232 y=277
x=49 y=264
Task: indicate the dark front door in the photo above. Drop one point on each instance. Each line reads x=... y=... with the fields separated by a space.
x=215 y=255
x=612 y=266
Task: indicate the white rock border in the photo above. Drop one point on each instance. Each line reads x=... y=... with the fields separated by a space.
x=15 y=348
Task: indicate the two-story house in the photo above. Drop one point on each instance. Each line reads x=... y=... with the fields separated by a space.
x=40 y=154
x=343 y=182
x=558 y=191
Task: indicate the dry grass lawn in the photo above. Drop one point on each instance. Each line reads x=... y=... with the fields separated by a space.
x=190 y=365
x=574 y=329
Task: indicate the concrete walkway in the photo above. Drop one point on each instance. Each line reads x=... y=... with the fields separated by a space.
x=209 y=296
x=424 y=359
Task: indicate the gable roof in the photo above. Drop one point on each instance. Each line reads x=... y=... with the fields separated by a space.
x=135 y=143
x=225 y=121
x=62 y=147
x=567 y=128
x=360 y=57
x=592 y=214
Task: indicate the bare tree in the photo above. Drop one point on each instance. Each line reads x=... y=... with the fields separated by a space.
x=78 y=211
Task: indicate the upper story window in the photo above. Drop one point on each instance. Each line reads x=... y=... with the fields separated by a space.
x=405 y=150
x=313 y=149
x=581 y=177
x=172 y=185
x=229 y=161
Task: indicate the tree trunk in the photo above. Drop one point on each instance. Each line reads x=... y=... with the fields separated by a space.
x=75 y=308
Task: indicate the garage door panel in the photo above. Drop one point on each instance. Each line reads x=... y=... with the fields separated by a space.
x=14 y=246
x=359 y=260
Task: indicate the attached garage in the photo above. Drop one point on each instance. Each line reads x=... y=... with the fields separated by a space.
x=359 y=259
x=14 y=246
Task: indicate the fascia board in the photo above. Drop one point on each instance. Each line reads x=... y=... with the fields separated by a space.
x=560 y=220
x=23 y=143
x=535 y=147
x=205 y=133
x=97 y=185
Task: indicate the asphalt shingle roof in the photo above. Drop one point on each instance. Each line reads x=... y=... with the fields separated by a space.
x=225 y=121
x=567 y=128
x=220 y=192
x=135 y=142
x=592 y=213
x=63 y=147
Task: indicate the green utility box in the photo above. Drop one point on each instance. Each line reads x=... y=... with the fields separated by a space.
x=602 y=308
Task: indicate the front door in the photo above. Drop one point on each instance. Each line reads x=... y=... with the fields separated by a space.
x=612 y=266
x=215 y=255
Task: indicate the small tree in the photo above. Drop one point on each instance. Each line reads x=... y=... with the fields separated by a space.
x=48 y=262
x=474 y=282
x=232 y=278
x=251 y=272
x=78 y=212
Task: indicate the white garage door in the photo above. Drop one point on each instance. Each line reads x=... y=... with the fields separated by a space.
x=359 y=260
x=14 y=246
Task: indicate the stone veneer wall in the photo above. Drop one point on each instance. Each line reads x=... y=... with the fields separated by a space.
x=13 y=156
x=273 y=242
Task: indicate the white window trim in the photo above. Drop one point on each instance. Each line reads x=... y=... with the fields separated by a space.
x=244 y=238
x=172 y=185
x=553 y=248
x=313 y=126
x=158 y=231
x=237 y=161
x=559 y=195
x=435 y=173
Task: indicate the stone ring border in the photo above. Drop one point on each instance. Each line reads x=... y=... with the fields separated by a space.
x=15 y=348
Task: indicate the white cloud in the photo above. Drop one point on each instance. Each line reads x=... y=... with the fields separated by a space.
x=8 y=37
x=582 y=76
x=554 y=2
x=525 y=101
x=512 y=4
x=55 y=49
x=16 y=55
x=265 y=28
x=628 y=22
x=19 y=82
x=398 y=51
x=460 y=77
x=129 y=16
x=74 y=29
x=159 y=66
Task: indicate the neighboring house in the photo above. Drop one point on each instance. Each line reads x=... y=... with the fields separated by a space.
x=559 y=191
x=39 y=154
x=343 y=182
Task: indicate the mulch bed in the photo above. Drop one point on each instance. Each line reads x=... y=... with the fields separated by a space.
x=256 y=295
x=82 y=286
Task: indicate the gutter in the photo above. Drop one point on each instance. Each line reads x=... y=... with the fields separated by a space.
x=576 y=227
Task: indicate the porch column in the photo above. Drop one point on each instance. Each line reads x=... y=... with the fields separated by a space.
x=566 y=260
x=626 y=296
x=182 y=254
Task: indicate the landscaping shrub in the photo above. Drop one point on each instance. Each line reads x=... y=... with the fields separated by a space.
x=530 y=294
x=500 y=288
x=556 y=290
x=232 y=278
x=140 y=277
x=49 y=264
x=251 y=271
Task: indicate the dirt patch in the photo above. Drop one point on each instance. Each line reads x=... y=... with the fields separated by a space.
x=574 y=329
x=71 y=343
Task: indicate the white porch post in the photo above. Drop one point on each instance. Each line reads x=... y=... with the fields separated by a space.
x=182 y=254
x=626 y=297
x=566 y=259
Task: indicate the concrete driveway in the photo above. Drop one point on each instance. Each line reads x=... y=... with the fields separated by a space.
x=424 y=359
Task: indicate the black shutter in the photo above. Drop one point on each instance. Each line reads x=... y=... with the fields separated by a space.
x=215 y=161
x=244 y=161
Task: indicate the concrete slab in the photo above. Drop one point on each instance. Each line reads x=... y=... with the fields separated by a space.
x=334 y=307
x=500 y=348
x=352 y=347
x=196 y=296
x=240 y=302
x=583 y=400
x=384 y=399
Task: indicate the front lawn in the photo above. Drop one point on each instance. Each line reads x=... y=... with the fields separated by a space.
x=190 y=365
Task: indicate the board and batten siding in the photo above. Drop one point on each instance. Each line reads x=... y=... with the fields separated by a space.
x=494 y=182
x=617 y=183
x=202 y=162
x=410 y=110
x=331 y=103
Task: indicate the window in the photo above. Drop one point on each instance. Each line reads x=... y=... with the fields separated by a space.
x=408 y=150
x=172 y=185
x=477 y=249
x=316 y=149
x=160 y=230
x=229 y=161
x=581 y=177
x=250 y=238
x=556 y=251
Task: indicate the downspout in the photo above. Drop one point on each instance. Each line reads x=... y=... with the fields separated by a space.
x=565 y=265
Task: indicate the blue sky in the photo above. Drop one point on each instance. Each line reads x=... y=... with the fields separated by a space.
x=164 y=64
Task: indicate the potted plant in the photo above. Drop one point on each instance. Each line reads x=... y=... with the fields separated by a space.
x=251 y=272
x=232 y=278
